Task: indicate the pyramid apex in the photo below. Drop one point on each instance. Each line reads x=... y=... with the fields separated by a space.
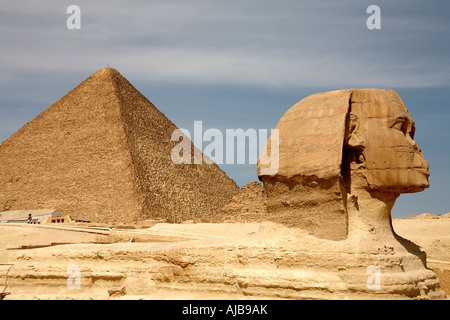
x=105 y=72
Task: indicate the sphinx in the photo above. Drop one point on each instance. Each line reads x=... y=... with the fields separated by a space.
x=345 y=156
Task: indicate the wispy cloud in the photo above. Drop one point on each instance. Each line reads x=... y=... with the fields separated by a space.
x=265 y=43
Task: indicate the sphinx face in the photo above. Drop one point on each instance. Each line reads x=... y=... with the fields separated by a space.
x=393 y=160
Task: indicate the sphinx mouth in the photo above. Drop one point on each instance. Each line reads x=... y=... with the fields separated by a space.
x=422 y=170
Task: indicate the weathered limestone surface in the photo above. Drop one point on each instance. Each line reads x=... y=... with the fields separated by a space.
x=311 y=136
x=249 y=205
x=305 y=192
x=272 y=263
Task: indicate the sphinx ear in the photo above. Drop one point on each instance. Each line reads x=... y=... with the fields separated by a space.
x=353 y=135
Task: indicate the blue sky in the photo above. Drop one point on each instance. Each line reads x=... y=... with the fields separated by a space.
x=237 y=64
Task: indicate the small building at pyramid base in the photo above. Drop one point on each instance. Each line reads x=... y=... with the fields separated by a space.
x=34 y=216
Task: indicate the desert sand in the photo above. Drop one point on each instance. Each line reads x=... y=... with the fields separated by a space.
x=41 y=255
x=432 y=234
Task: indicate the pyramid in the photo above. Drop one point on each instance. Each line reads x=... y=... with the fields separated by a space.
x=102 y=153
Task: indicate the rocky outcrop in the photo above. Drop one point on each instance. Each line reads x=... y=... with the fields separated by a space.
x=249 y=205
x=272 y=263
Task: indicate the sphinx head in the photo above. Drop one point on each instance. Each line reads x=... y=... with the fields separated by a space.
x=379 y=142
x=341 y=143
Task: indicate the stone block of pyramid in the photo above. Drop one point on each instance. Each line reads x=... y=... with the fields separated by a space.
x=103 y=153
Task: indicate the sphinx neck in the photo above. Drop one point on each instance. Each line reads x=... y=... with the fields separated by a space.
x=369 y=214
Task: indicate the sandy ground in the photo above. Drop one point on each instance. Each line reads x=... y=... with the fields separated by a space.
x=18 y=235
x=431 y=234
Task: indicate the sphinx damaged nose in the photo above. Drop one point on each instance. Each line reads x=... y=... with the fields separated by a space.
x=420 y=162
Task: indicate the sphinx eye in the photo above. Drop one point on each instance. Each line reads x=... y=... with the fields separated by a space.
x=400 y=124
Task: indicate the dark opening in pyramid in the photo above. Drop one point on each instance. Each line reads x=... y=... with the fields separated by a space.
x=103 y=153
